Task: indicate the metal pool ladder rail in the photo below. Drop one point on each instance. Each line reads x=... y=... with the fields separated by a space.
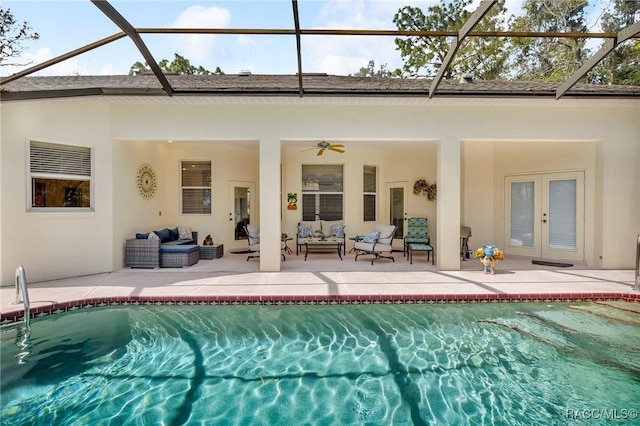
x=21 y=286
x=636 y=286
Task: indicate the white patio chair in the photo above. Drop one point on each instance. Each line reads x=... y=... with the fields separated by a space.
x=253 y=237
x=378 y=241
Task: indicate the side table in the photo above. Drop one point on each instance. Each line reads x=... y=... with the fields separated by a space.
x=211 y=252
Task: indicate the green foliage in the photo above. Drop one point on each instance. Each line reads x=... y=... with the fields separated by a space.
x=12 y=34
x=179 y=65
x=383 y=71
x=550 y=58
x=622 y=66
x=423 y=55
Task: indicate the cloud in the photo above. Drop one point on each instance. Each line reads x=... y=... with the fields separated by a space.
x=344 y=55
x=199 y=47
x=71 y=66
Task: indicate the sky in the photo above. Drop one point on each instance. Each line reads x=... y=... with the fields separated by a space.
x=64 y=26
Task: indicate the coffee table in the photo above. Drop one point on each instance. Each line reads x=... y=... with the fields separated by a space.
x=319 y=243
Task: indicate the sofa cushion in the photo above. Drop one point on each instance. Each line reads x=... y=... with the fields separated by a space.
x=142 y=236
x=164 y=234
x=337 y=230
x=304 y=231
x=184 y=233
x=174 y=234
x=178 y=248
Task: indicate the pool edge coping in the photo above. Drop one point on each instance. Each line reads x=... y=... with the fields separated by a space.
x=290 y=300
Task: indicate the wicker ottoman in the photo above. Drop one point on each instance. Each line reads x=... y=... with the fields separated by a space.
x=179 y=256
x=211 y=252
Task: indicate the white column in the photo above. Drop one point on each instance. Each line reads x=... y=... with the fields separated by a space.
x=448 y=228
x=270 y=253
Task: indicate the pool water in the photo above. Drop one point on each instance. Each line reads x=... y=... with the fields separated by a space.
x=507 y=364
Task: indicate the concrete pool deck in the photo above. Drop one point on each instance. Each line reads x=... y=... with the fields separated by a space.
x=233 y=280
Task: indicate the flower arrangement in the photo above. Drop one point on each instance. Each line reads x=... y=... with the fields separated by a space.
x=422 y=187
x=489 y=257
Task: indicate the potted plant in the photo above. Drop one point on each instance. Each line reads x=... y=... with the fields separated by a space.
x=292 y=199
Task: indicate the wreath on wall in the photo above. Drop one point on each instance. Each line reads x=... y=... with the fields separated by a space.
x=429 y=190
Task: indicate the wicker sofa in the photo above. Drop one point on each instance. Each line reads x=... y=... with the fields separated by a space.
x=174 y=248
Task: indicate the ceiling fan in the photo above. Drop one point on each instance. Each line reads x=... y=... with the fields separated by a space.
x=323 y=146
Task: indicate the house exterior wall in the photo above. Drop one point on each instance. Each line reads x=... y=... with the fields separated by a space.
x=55 y=244
x=496 y=137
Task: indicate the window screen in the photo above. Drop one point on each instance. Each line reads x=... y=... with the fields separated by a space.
x=322 y=192
x=60 y=175
x=196 y=187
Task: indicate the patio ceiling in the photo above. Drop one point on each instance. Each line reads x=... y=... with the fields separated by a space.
x=133 y=33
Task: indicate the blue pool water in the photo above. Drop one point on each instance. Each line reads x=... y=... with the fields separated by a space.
x=506 y=364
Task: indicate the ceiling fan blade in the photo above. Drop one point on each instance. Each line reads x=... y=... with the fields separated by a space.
x=320 y=152
x=332 y=148
x=338 y=145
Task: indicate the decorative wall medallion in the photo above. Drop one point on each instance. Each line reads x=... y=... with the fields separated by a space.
x=146 y=181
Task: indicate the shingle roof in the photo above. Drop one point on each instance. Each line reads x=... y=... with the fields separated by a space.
x=288 y=85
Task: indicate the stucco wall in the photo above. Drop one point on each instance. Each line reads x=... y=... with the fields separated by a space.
x=55 y=244
x=497 y=137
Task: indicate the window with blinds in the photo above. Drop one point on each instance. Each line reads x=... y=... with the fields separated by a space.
x=369 y=179
x=322 y=192
x=196 y=187
x=60 y=176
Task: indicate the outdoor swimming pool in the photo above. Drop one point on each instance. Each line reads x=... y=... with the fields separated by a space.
x=504 y=364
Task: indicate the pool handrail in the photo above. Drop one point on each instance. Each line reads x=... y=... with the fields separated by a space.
x=21 y=286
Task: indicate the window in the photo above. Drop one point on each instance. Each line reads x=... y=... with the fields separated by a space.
x=369 y=190
x=196 y=187
x=322 y=193
x=60 y=176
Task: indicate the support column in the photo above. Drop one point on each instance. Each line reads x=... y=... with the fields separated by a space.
x=270 y=253
x=448 y=227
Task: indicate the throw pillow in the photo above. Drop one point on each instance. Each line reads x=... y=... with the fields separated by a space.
x=164 y=235
x=371 y=237
x=174 y=233
x=144 y=236
x=304 y=231
x=153 y=236
x=337 y=230
x=184 y=233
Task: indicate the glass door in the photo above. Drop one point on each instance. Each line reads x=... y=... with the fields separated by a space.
x=242 y=196
x=545 y=215
x=396 y=191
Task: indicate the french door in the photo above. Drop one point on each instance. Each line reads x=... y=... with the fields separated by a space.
x=545 y=215
x=241 y=211
x=397 y=199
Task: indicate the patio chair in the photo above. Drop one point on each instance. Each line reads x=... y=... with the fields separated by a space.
x=376 y=242
x=465 y=234
x=253 y=237
x=416 y=233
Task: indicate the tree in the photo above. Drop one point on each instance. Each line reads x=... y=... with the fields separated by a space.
x=179 y=65
x=485 y=57
x=550 y=58
x=622 y=65
x=383 y=71
x=12 y=34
